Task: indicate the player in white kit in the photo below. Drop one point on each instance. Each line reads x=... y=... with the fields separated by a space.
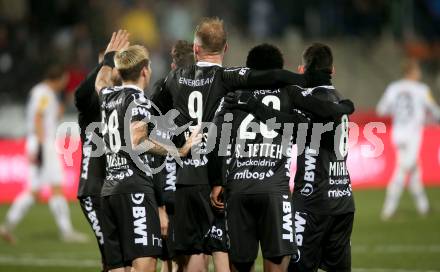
x=407 y=101
x=43 y=112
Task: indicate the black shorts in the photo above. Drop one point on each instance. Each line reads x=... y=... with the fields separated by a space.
x=323 y=242
x=259 y=218
x=216 y=238
x=168 y=252
x=131 y=228
x=194 y=217
x=91 y=207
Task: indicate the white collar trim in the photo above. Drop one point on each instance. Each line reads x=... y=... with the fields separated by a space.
x=207 y=64
x=331 y=87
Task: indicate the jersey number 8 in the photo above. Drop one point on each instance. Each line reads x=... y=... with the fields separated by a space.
x=112 y=128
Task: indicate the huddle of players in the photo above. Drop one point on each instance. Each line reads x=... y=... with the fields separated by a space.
x=230 y=199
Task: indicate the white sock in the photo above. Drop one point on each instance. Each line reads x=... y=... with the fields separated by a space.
x=418 y=192
x=394 y=191
x=18 y=209
x=60 y=210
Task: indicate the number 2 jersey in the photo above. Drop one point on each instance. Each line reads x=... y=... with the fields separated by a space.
x=125 y=171
x=257 y=157
x=195 y=92
x=322 y=181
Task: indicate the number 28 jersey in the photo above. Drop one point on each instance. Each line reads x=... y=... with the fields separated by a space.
x=125 y=172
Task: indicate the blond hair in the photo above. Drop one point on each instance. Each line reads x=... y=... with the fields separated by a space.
x=211 y=35
x=130 y=61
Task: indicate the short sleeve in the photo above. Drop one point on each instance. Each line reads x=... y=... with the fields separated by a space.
x=139 y=107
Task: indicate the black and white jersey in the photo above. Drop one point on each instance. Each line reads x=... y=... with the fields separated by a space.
x=322 y=181
x=92 y=172
x=120 y=106
x=258 y=156
x=195 y=92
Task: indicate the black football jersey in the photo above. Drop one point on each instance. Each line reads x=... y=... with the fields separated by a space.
x=92 y=172
x=258 y=156
x=322 y=180
x=195 y=92
x=125 y=171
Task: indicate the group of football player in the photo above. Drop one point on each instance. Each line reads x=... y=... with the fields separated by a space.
x=198 y=164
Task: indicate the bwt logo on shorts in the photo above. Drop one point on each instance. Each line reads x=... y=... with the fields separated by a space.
x=140 y=222
x=91 y=214
x=300 y=224
x=287 y=219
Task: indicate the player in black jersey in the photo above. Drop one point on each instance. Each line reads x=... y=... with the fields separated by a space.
x=92 y=172
x=322 y=198
x=195 y=92
x=182 y=55
x=130 y=221
x=257 y=168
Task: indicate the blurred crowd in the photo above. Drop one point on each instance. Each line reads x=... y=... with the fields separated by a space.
x=34 y=32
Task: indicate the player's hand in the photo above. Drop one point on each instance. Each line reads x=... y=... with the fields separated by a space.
x=118 y=41
x=240 y=100
x=194 y=139
x=163 y=218
x=216 y=197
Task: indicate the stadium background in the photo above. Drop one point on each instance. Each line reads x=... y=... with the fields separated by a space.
x=370 y=38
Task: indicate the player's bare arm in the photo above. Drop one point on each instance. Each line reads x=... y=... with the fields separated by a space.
x=141 y=142
x=118 y=41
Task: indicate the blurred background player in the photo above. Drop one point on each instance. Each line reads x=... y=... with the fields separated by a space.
x=182 y=55
x=45 y=166
x=407 y=101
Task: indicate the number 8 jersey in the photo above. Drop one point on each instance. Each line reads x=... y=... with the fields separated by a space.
x=322 y=181
x=125 y=171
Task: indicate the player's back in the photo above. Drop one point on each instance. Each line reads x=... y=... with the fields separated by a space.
x=259 y=160
x=196 y=92
x=405 y=100
x=43 y=101
x=121 y=105
x=322 y=181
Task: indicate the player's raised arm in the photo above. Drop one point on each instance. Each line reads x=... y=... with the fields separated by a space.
x=243 y=78
x=118 y=41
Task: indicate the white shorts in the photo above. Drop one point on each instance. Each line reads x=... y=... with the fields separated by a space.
x=50 y=171
x=407 y=149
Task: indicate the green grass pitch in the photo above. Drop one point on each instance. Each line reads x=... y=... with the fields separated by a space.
x=408 y=243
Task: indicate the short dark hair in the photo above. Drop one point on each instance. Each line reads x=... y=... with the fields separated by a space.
x=265 y=56
x=182 y=53
x=318 y=57
x=54 y=71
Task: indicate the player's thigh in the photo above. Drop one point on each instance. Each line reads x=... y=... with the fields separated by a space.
x=337 y=246
x=241 y=228
x=279 y=264
x=52 y=168
x=275 y=225
x=138 y=225
x=144 y=264
x=310 y=231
